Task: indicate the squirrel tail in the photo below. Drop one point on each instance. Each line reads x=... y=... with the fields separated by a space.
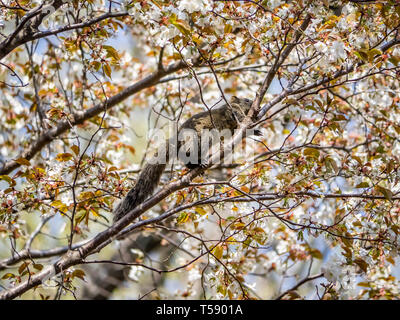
x=148 y=180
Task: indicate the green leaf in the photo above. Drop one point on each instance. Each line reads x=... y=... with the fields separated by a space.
x=23 y=161
x=331 y=163
x=363 y=55
x=315 y=253
x=228 y=28
x=60 y=206
x=156 y=3
x=358 y=159
x=364 y=284
x=311 y=152
x=395 y=61
x=22 y=267
x=339 y=117
x=291 y=101
x=75 y=149
x=96 y=65
x=10 y=181
x=64 y=157
x=201 y=211
x=8 y=275
x=38 y=266
x=373 y=53
x=107 y=69
x=293 y=295
x=181 y=25
x=362 y=264
x=111 y=52
x=362 y=185
x=79 y=274
x=385 y=192
x=183 y=217
x=218 y=251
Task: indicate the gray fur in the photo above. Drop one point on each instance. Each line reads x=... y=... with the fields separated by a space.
x=149 y=177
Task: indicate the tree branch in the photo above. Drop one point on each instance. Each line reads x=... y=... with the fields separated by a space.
x=299 y=284
x=80 y=117
x=28 y=25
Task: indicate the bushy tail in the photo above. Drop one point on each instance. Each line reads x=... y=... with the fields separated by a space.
x=148 y=180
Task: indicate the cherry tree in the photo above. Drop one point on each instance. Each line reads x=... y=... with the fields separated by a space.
x=306 y=210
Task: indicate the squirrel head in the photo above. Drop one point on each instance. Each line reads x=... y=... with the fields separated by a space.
x=242 y=104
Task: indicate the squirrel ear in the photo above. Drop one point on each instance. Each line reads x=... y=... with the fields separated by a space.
x=234 y=99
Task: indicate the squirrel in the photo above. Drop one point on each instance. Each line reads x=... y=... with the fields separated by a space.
x=227 y=116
